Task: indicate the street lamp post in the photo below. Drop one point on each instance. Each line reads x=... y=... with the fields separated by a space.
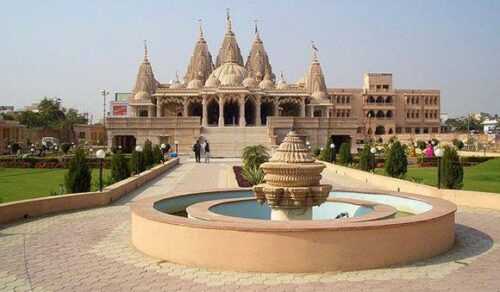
x=100 y=154
x=176 y=147
x=104 y=93
x=439 y=153
x=373 y=150
x=163 y=147
x=138 y=148
x=332 y=152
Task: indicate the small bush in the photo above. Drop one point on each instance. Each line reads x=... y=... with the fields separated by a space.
x=148 y=154
x=459 y=144
x=345 y=157
x=119 y=167
x=157 y=155
x=253 y=156
x=366 y=159
x=326 y=153
x=65 y=147
x=254 y=175
x=421 y=144
x=137 y=162
x=396 y=162
x=14 y=147
x=452 y=172
x=316 y=152
x=78 y=177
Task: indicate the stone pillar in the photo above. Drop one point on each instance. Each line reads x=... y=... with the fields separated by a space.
x=204 y=117
x=258 y=121
x=242 y=111
x=158 y=108
x=185 y=109
x=303 y=108
x=311 y=113
x=150 y=111
x=327 y=112
x=276 y=109
x=221 y=111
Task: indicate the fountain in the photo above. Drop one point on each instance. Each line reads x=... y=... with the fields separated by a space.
x=292 y=223
x=292 y=179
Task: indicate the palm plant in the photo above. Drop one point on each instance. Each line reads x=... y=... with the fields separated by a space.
x=253 y=156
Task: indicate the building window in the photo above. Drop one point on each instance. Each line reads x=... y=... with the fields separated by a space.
x=81 y=135
x=408 y=130
x=435 y=130
x=417 y=130
x=143 y=113
x=426 y=130
x=398 y=130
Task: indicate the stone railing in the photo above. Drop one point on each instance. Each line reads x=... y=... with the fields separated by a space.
x=153 y=123
x=13 y=211
x=459 y=197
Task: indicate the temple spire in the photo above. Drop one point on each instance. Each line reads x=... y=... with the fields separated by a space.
x=201 y=28
x=229 y=28
x=146 y=51
x=257 y=35
x=315 y=51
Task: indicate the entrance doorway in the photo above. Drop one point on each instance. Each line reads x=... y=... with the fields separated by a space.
x=250 y=112
x=213 y=113
x=339 y=139
x=266 y=109
x=231 y=112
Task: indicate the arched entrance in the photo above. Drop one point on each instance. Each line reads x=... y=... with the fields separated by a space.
x=231 y=112
x=266 y=109
x=250 y=112
x=126 y=143
x=290 y=109
x=380 y=130
x=195 y=109
x=213 y=112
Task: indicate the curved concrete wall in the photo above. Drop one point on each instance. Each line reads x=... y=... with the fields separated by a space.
x=287 y=247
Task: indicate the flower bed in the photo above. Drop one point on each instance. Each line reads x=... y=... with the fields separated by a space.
x=242 y=182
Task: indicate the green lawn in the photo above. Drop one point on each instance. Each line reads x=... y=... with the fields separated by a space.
x=484 y=177
x=27 y=183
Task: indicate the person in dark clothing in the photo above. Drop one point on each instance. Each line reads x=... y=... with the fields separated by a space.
x=207 y=152
x=197 y=151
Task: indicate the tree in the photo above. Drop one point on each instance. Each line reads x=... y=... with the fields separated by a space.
x=396 y=162
x=78 y=177
x=65 y=147
x=326 y=153
x=366 y=159
x=452 y=172
x=148 y=154
x=459 y=144
x=157 y=155
x=345 y=157
x=119 y=167
x=137 y=162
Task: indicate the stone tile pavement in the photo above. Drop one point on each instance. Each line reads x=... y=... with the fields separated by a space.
x=90 y=251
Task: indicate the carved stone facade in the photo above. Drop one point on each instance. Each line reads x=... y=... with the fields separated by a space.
x=233 y=93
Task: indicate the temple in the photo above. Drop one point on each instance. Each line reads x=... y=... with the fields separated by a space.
x=234 y=102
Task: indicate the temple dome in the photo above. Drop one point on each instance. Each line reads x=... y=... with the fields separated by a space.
x=229 y=74
x=212 y=81
x=250 y=82
x=267 y=83
x=282 y=83
x=195 y=84
x=176 y=85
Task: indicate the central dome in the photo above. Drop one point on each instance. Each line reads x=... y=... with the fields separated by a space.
x=229 y=74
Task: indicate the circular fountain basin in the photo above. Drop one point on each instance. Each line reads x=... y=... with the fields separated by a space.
x=218 y=240
x=248 y=210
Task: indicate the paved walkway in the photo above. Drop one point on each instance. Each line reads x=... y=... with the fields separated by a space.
x=90 y=251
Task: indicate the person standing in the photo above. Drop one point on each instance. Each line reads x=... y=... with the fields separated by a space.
x=207 y=152
x=196 y=150
x=202 y=149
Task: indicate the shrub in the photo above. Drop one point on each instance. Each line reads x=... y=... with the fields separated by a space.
x=345 y=157
x=137 y=162
x=65 y=147
x=254 y=175
x=396 y=162
x=157 y=155
x=119 y=167
x=421 y=144
x=14 y=147
x=435 y=141
x=316 y=152
x=148 y=154
x=452 y=172
x=78 y=177
x=366 y=159
x=326 y=153
x=459 y=144
x=253 y=156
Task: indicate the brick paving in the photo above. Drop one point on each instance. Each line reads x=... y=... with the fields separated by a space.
x=90 y=251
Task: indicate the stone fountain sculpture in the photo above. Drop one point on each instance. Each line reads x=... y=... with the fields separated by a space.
x=292 y=181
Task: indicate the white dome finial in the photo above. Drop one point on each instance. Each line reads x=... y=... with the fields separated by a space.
x=229 y=28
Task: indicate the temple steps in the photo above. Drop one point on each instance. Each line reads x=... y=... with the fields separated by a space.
x=229 y=141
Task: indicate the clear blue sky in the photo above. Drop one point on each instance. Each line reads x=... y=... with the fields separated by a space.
x=72 y=49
